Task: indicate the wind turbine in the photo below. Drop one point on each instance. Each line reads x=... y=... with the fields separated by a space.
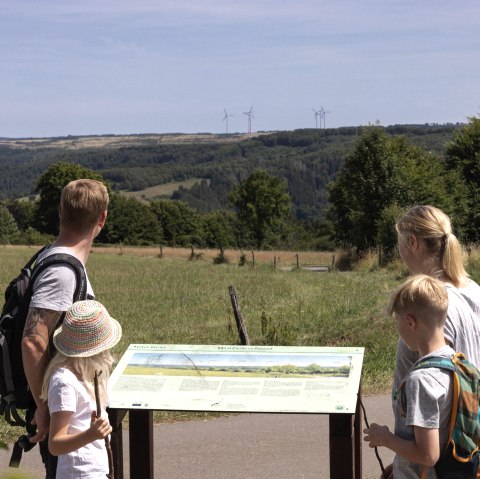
x=324 y=112
x=250 y=116
x=318 y=113
x=225 y=119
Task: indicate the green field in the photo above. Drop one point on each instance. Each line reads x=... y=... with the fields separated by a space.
x=165 y=189
x=175 y=301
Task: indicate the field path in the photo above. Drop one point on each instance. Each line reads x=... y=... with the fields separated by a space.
x=246 y=446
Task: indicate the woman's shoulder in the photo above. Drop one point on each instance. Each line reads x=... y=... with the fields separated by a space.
x=471 y=292
x=465 y=299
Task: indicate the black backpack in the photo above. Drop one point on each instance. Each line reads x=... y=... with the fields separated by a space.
x=14 y=391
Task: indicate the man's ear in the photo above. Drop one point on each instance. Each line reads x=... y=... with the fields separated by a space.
x=102 y=219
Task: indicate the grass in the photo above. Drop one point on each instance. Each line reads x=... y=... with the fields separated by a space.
x=175 y=301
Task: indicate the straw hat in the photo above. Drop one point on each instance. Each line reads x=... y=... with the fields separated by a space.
x=86 y=330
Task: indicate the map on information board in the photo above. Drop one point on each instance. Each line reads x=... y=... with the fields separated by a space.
x=237 y=378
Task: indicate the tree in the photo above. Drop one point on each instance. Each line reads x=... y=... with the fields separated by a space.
x=219 y=229
x=384 y=171
x=9 y=232
x=463 y=155
x=263 y=205
x=50 y=186
x=130 y=222
x=22 y=211
x=179 y=222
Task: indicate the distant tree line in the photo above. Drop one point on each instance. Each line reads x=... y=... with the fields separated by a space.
x=307 y=159
x=261 y=217
x=381 y=175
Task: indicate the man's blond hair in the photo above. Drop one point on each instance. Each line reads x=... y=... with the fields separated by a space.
x=424 y=297
x=82 y=204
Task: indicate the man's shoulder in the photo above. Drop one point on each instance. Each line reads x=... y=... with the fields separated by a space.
x=57 y=250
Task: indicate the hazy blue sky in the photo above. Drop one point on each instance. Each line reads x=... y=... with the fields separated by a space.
x=155 y=66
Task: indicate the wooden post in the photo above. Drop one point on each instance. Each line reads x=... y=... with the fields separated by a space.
x=357 y=431
x=115 y=416
x=253 y=259
x=242 y=329
x=141 y=443
x=161 y=252
x=341 y=446
x=298 y=260
x=333 y=262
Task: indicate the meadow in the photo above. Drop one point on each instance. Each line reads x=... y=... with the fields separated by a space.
x=173 y=300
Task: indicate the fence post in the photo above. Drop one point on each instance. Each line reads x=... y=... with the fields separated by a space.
x=242 y=329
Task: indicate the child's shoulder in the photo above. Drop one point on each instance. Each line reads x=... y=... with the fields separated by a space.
x=63 y=375
x=433 y=381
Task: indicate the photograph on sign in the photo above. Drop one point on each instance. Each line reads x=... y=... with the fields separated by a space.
x=237 y=378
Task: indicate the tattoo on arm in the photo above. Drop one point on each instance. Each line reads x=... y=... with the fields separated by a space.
x=41 y=322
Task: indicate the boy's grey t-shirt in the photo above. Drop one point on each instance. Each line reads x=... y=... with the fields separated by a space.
x=429 y=404
x=462 y=330
x=54 y=287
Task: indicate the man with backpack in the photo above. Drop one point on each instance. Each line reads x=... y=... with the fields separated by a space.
x=439 y=396
x=82 y=212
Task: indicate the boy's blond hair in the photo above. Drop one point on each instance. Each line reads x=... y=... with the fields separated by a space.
x=82 y=204
x=433 y=226
x=422 y=296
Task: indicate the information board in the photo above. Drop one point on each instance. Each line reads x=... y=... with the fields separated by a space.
x=237 y=378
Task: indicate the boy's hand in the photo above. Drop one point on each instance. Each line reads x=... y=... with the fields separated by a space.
x=99 y=427
x=376 y=435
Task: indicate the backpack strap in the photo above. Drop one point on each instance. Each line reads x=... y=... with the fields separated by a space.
x=65 y=259
x=450 y=364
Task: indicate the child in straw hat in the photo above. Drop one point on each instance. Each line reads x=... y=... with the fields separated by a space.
x=76 y=433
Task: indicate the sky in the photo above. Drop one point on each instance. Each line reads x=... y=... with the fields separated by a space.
x=93 y=67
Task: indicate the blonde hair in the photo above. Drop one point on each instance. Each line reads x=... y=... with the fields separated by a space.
x=433 y=226
x=84 y=369
x=424 y=297
x=82 y=203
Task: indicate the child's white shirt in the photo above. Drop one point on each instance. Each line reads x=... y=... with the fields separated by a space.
x=67 y=393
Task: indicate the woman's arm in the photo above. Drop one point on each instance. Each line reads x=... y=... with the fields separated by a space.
x=61 y=442
x=425 y=449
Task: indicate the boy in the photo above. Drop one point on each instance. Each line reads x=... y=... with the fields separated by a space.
x=420 y=309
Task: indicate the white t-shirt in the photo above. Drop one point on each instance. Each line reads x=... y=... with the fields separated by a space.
x=429 y=394
x=67 y=393
x=54 y=287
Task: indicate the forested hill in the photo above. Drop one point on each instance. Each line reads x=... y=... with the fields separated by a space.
x=309 y=159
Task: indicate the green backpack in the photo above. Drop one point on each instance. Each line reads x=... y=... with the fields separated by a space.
x=461 y=457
